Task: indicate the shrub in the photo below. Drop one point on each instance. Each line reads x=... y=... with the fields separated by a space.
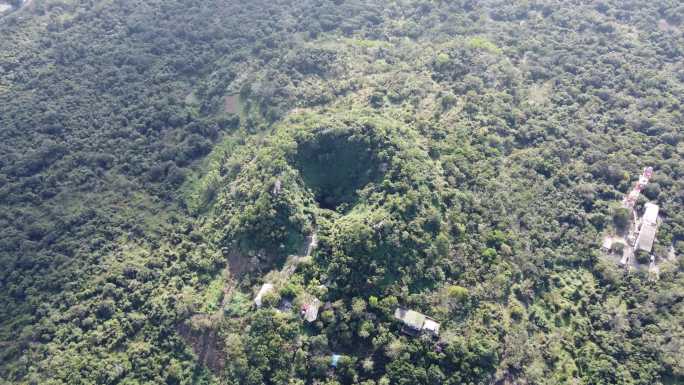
x=617 y=247
x=459 y=293
x=622 y=218
x=642 y=256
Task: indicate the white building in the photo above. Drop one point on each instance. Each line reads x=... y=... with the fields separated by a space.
x=649 y=226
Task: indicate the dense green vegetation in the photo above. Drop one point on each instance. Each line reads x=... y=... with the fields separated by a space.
x=161 y=160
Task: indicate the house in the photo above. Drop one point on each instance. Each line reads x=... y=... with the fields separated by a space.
x=649 y=227
x=265 y=289
x=415 y=323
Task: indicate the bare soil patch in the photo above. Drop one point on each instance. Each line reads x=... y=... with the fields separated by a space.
x=204 y=342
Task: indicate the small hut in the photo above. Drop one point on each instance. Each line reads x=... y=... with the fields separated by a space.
x=649 y=227
x=415 y=323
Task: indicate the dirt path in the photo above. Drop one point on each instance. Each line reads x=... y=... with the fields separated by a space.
x=653 y=271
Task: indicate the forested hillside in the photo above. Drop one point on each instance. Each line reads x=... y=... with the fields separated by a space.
x=165 y=163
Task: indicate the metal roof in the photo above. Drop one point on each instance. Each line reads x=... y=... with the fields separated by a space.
x=416 y=321
x=431 y=325
x=649 y=227
x=651 y=213
x=646 y=237
x=411 y=318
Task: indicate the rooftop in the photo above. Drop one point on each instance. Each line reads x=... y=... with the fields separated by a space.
x=646 y=237
x=411 y=318
x=651 y=213
x=431 y=325
x=649 y=227
x=416 y=321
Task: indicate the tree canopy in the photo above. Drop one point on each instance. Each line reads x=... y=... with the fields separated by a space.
x=160 y=161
